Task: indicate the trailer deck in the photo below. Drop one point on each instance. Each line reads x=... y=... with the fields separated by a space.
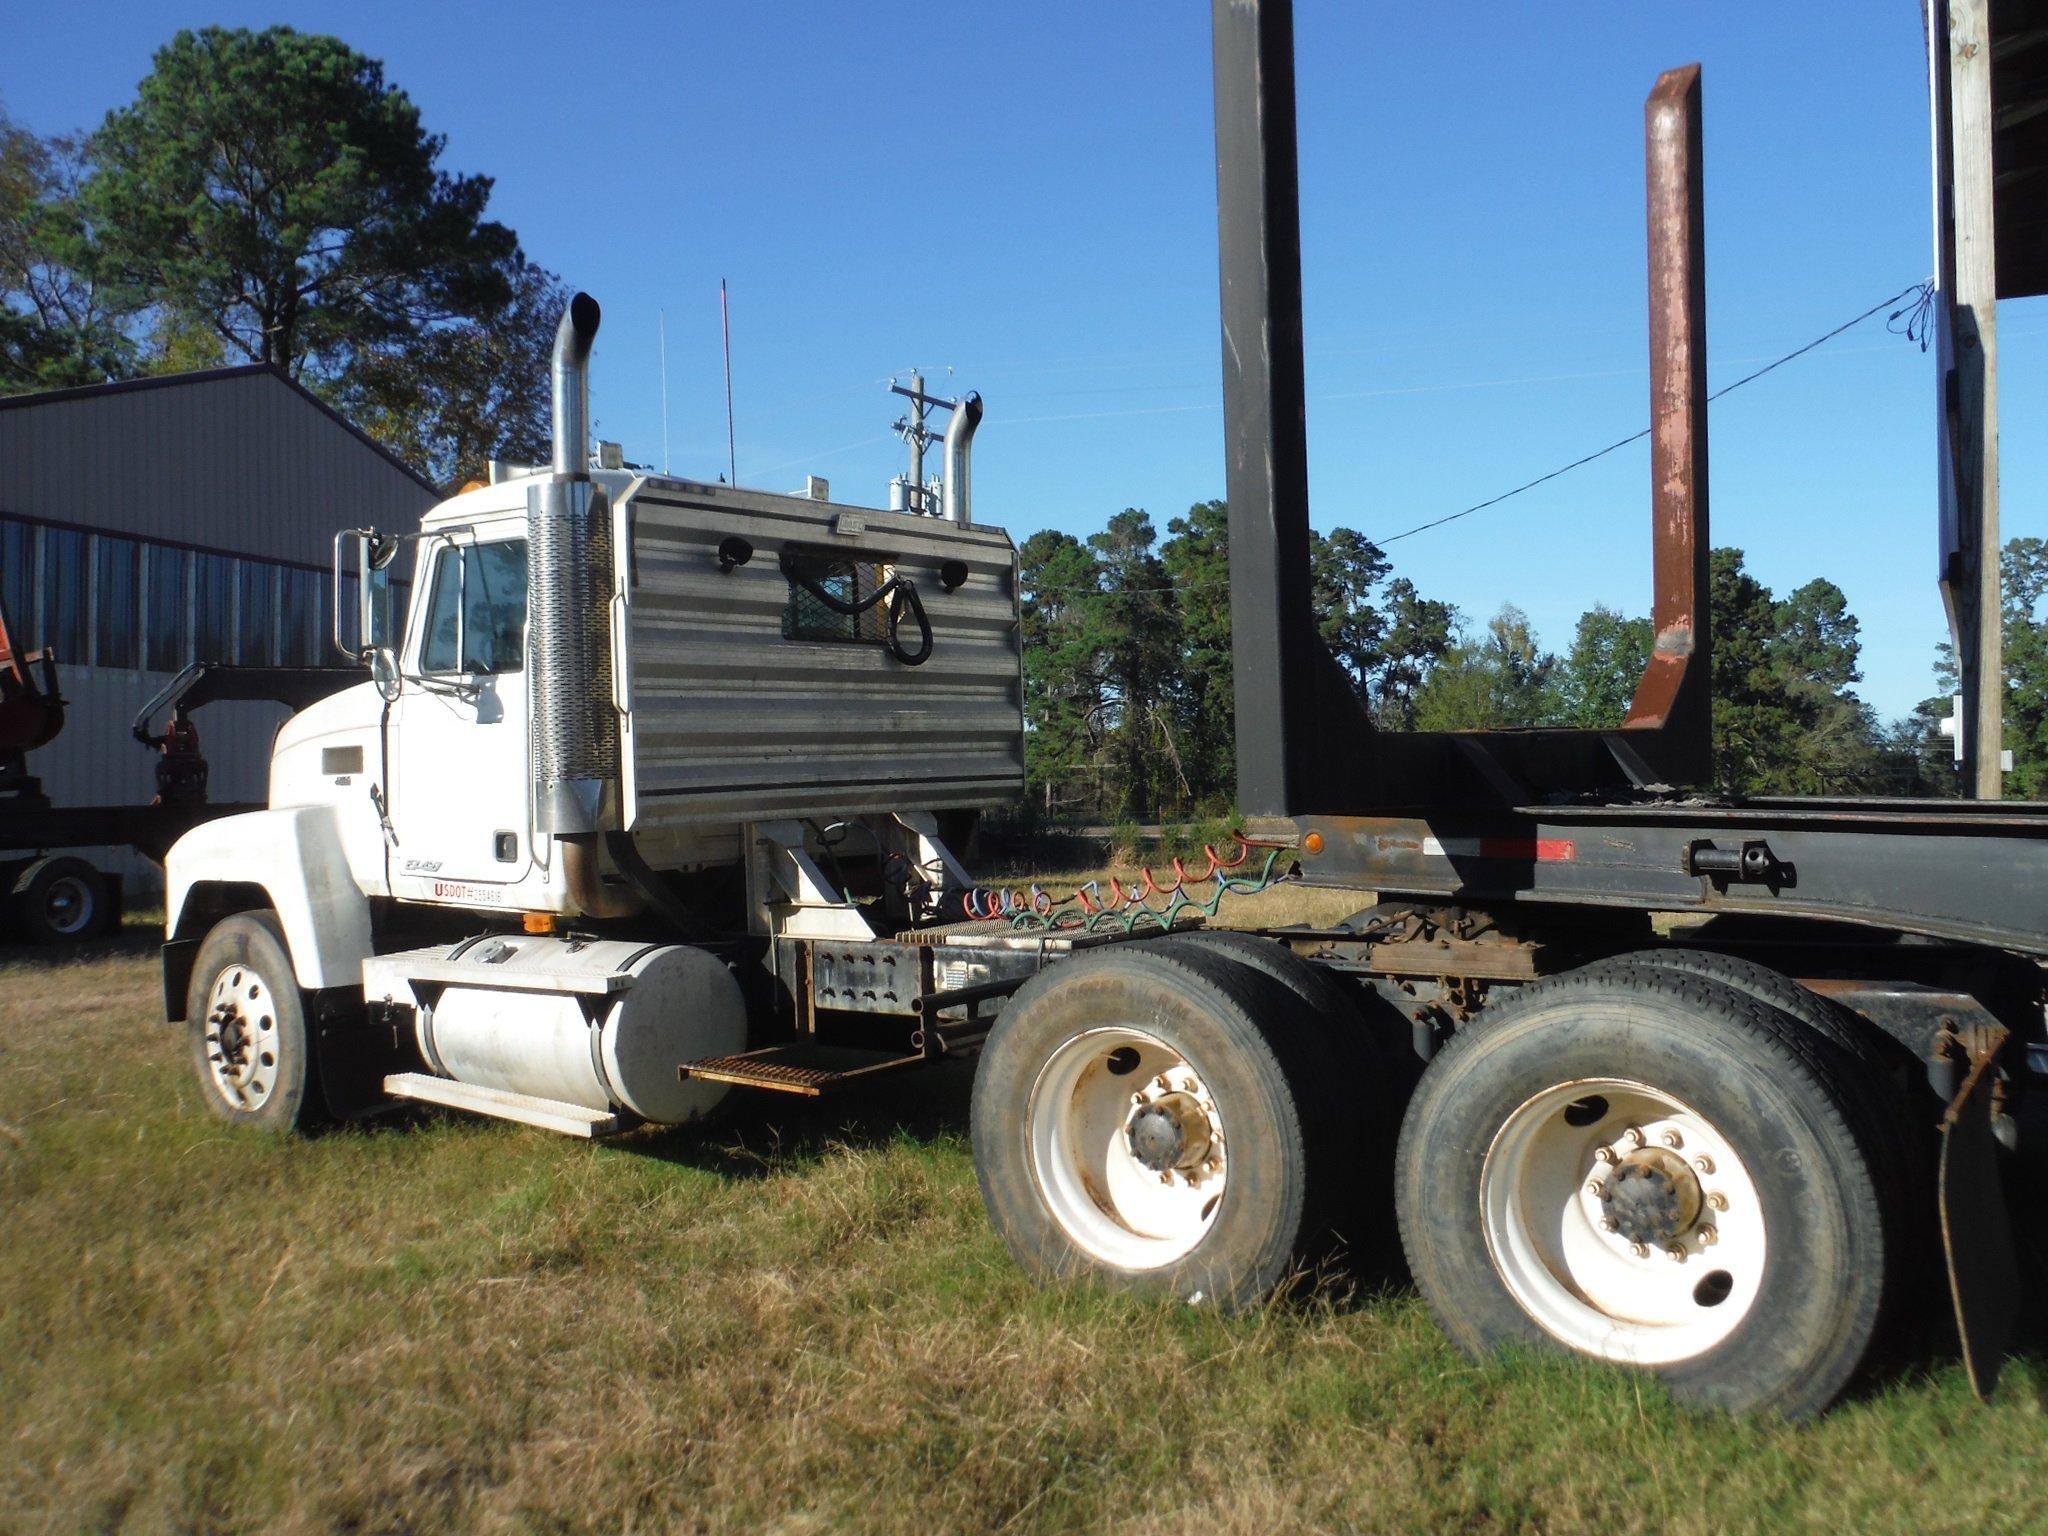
x=1973 y=871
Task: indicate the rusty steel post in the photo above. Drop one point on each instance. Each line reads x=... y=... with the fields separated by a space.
x=1673 y=697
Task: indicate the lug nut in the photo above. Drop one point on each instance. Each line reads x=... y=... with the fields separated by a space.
x=1672 y=1140
x=1603 y=1154
x=1633 y=1136
x=1640 y=1250
x=1606 y=1224
x=1709 y=1237
x=1677 y=1252
x=1162 y=1081
x=1718 y=1200
x=1592 y=1186
x=1703 y=1164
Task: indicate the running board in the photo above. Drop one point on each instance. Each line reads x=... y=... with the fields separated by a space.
x=501 y=1104
x=801 y=1067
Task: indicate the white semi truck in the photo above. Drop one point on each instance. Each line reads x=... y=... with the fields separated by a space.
x=632 y=743
x=643 y=800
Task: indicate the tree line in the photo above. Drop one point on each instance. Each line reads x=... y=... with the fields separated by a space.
x=269 y=197
x=1127 y=672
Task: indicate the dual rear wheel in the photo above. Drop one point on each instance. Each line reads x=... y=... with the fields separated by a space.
x=1649 y=1164
x=1139 y=1118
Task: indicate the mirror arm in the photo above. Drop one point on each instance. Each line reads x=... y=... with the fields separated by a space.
x=358 y=652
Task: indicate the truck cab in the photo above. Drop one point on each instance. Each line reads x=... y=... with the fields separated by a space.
x=425 y=766
x=610 y=715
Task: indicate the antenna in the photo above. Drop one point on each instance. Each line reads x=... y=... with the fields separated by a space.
x=732 y=473
x=664 y=390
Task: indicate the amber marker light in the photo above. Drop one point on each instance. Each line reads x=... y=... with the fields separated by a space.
x=540 y=922
x=1313 y=843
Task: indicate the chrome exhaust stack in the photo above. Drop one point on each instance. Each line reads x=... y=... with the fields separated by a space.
x=956 y=497
x=569 y=367
x=575 y=730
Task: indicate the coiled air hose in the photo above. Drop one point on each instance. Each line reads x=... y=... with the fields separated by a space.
x=1126 y=908
x=899 y=592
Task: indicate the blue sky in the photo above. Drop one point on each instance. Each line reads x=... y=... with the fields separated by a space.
x=1025 y=194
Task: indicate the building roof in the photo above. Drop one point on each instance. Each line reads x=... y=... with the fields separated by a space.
x=238 y=461
x=213 y=376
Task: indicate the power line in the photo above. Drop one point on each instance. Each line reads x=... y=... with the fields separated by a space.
x=1636 y=437
x=1924 y=291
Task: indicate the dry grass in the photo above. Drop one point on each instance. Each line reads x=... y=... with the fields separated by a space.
x=789 y=1320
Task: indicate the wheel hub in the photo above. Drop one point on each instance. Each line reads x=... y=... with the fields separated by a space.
x=1127 y=1147
x=233 y=1035
x=241 y=1038
x=1170 y=1132
x=1623 y=1221
x=65 y=906
x=1653 y=1197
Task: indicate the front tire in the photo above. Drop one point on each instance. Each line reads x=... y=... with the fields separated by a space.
x=250 y=1048
x=1653 y=1170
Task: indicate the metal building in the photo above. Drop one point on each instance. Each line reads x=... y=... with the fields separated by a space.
x=151 y=523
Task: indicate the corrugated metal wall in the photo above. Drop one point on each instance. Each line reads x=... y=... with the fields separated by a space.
x=731 y=721
x=238 y=463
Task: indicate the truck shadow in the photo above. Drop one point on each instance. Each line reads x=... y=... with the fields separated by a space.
x=134 y=941
x=760 y=1135
x=755 y=1135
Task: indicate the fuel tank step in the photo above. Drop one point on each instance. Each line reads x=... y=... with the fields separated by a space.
x=801 y=1066
x=548 y=1114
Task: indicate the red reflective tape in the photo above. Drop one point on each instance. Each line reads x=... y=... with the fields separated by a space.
x=1537 y=850
x=1542 y=850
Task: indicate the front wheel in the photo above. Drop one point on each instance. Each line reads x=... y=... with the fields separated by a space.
x=1651 y=1170
x=250 y=1048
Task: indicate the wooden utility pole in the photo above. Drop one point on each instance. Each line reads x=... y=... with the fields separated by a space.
x=1966 y=277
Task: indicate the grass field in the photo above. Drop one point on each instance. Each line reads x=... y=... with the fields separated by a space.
x=787 y=1320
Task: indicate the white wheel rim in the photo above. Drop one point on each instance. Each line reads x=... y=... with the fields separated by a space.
x=242 y=1044
x=1106 y=1110
x=1622 y=1292
x=67 y=905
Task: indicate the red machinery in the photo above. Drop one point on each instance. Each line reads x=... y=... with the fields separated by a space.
x=60 y=898
x=31 y=711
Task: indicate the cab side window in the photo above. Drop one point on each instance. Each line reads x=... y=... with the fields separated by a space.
x=476 y=613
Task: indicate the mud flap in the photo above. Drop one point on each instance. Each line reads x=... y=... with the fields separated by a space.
x=1976 y=1230
x=353 y=1053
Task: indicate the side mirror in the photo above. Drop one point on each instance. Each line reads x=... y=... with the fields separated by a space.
x=363 y=562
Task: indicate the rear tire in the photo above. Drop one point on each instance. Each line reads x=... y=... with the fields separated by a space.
x=250 y=1048
x=1880 y=1079
x=1519 y=1233
x=1362 y=1081
x=1134 y=1121
x=62 y=900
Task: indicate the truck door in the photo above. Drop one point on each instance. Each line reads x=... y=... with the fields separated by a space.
x=461 y=791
